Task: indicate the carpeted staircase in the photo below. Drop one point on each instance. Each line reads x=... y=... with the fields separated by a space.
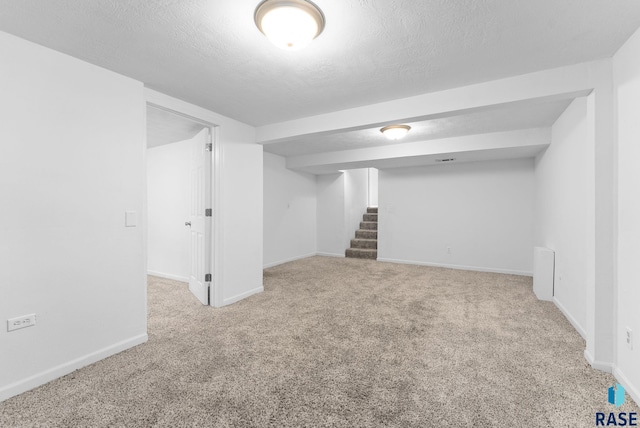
x=365 y=246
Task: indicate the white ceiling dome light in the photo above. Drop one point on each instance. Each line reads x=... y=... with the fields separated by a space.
x=395 y=132
x=289 y=24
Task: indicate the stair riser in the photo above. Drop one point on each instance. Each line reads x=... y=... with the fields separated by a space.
x=355 y=254
x=369 y=225
x=357 y=243
x=366 y=234
x=372 y=210
x=370 y=217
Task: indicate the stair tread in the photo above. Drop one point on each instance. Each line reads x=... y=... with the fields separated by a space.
x=359 y=253
x=365 y=243
x=367 y=235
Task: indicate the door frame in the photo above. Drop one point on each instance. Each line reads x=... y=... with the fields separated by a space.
x=215 y=288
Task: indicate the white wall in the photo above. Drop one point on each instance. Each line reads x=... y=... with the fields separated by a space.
x=289 y=212
x=562 y=205
x=330 y=217
x=481 y=211
x=168 y=169
x=241 y=221
x=342 y=200
x=71 y=164
x=355 y=201
x=373 y=187
x=626 y=66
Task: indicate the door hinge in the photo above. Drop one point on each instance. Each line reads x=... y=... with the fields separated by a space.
x=209 y=147
x=208 y=212
x=207 y=278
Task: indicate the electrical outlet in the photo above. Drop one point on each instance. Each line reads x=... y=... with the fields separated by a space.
x=629 y=338
x=21 y=322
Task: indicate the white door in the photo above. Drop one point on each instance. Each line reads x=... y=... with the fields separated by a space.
x=200 y=216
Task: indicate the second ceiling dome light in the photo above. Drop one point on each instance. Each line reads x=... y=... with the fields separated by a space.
x=395 y=132
x=289 y=24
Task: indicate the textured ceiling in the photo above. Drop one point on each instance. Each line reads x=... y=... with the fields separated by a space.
x=209 y=52
x=164 y=127
x=502 y=118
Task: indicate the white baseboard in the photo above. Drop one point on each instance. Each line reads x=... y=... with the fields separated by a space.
x=598 y=365
x=633 y=391
x=459 y=267
x=241 y=296
x=268 y=265
x=168 y=276
x=330 y=255
x=570 y=318
x=66 y=368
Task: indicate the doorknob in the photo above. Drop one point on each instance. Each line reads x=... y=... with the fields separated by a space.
x=187 y=223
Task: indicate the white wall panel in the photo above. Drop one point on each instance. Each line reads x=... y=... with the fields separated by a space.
x=289 y=212
x=627 y=91
x=71 y=164
x=475 y=215
x=562 y=186
x=168 y=209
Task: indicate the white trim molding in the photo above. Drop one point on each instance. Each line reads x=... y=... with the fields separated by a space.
x=68 y=367
x=241 y=296
x=292 y=259
x=168 y=276
x=330 y=255
x=570 y=318
x=458 y=267
x=598 y=365
x=628 y=386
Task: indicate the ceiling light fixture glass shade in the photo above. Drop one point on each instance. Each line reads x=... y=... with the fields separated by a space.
x=289 y=24
x=395 y=132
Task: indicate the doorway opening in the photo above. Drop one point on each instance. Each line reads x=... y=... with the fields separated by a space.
x=180 y=200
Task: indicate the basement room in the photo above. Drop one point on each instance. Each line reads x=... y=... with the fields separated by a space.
x=325 y=213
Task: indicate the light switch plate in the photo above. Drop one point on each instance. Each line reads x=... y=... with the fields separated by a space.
x=130 y=218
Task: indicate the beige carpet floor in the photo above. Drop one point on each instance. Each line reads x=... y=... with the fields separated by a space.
x=339 y=343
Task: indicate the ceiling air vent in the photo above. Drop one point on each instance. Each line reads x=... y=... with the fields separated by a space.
x=446 y=160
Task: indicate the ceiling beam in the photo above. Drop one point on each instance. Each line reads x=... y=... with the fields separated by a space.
x=511 y=144
x=560 y=83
